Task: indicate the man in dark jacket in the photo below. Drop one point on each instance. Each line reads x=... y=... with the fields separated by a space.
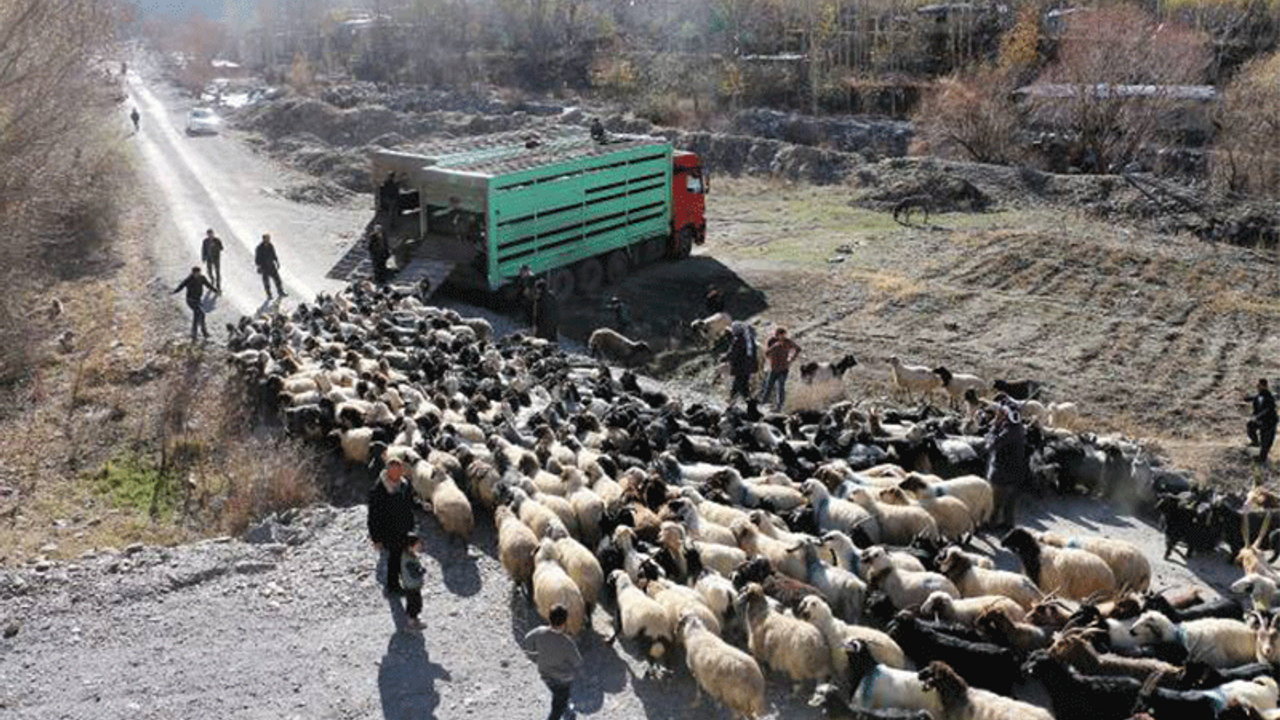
x=1007 y=468
x=1261 y=428
x=268 y=265
x=546 y=312
x=211 y=254
x=741 y=357
x=391 y=524
x=379 y=254
x=195 y=285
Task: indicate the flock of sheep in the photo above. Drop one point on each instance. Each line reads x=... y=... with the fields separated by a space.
x=809 y=548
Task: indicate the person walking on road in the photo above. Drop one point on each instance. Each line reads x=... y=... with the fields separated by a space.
x=781 y=352
x=211 y=254
x=1261 y=428
x=1007 y=468
x=391 y=529
x=136 y=118
x=268 y=265
x=558 y=660
x=195 y=285
x=379 y=254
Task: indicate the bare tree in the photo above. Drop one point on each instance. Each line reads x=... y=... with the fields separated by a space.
x=1116 y=78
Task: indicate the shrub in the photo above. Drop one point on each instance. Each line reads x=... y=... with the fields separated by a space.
x=1246 y=158
x=970 y=116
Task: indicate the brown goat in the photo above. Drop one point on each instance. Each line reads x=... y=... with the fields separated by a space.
x=1072 y=649
x=1021 y=636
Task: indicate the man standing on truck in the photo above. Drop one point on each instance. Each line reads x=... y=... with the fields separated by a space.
x=546 y=312
x=211 y=254
x=379 y=253
x=195 y=284
x=268 y=265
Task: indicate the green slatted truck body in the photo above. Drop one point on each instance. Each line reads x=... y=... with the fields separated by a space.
x=497 y=203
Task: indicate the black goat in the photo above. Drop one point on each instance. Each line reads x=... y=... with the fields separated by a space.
x=1190 y=521
x=981 y=664
x=1090 y=697
x=1018 y=389
x=786 y=590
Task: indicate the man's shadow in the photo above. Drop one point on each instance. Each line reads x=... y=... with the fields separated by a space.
x=406 y=679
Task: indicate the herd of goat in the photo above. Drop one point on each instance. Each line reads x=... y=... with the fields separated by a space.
x=831 y=548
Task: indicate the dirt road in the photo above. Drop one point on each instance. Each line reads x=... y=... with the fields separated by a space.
x=214 y=181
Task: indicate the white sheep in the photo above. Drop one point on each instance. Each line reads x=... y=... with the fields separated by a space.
x=838 y=514
x=552 y=586
x=724 y=559
x=967 y=610
x=843 y=590
x=911 y=379
x=957 y=384
x=728 y=674
x=581 y=565
x=516 y=546
x=899 y=524
x=1068 y=572
x=975 y=581
x=782 y=498
x=838 y=633
x=952 y=515
x=1260 y=588
x=640 y=616
x=973 y=491
x=717 y=593
x=905 y=589
x=787 y=645
x=847 y=555
x=784 y=558
x=609 y=344
x=1064 y=414
x=534 y=514
x=681 y=600
x=1128 y=564
x=1219 y=642
x=712 y=327
x=451 y=507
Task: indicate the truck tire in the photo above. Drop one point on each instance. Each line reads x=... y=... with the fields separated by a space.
x=589 y=275
x=652 y=250
x=683 y=244
x=561 y=282
x=616 y=267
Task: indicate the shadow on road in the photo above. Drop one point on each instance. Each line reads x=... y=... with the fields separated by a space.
x=457 y=566
x=406 y=679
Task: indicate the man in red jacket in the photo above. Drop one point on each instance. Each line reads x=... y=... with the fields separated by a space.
x=780 y=352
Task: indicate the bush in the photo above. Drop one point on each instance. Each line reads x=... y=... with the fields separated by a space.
x=970 y=116
x=1246 y=158
x=260 y=477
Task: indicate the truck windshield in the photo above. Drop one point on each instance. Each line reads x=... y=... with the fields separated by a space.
x=693 y=181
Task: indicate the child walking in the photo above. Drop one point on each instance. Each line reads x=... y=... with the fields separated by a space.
x=558 y=660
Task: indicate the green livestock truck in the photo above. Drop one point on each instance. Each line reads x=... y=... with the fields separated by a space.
x=581 y=210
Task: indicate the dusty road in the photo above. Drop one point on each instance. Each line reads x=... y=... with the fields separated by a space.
x=213 y=181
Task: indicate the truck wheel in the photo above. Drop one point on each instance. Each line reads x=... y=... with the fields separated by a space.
x=589 y=275
x=652 y=250
x=561 y=282
x=683 y=245
x=616 y=266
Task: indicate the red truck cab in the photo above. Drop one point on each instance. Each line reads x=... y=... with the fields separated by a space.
x=688 y=203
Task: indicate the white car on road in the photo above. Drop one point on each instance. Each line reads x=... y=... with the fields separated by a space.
x=202 y=121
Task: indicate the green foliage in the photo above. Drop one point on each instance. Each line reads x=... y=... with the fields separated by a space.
x=132 y=481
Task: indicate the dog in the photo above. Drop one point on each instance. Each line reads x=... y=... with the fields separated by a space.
x=902 y=209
